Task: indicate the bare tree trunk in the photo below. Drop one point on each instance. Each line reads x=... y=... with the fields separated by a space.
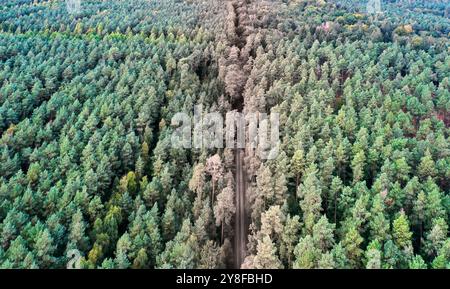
x=420 y=234
x=221 y=236
x=335 y=207
x=212 y=192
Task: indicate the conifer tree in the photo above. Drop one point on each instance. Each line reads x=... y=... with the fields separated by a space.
x=401 y=232
x=310 y=198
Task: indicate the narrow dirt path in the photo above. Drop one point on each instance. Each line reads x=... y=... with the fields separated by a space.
x=240 y=220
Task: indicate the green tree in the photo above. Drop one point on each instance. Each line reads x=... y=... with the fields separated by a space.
x=266 y=256
x=77 y=236
x=401 y=232
x=427 y=167
x=45 y=249
x=310 y=198
x=289 y=239
x=352 y=242
x=417 y=263
x=141 y=260
x=298 y=165
x=378 y=224
x=224 y=209
x=306 y=254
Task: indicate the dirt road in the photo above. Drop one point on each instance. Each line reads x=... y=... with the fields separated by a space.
x=240 y=238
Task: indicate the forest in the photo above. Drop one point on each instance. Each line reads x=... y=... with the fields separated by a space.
x=89 y=177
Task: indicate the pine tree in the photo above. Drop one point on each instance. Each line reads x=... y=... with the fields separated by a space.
x=289 y=239
x=272 y=222
x=203 y=224
x=306 y=255
x=140 y=168
x=419 y=214
x=440 y=262
x=182 y=251
x=45 y=249
x=401 y=169
x=123 y=247
x=373 y=255
x=352 y=242
x=197 y=182
x=400 y=231
x=417 y=263
x=433 y=207
x=339 y=256
x=77 y=237
x=326 y=261
x=280 y=188
x=141 y=260
x=427 y=167
x=333 y=199
x=323 y=234
x=168 y=224
x=224 y=209
x=310 y=198
x=16 y=253
x=298 y=165
x=358 y=166
x=411 y=191
x=379 y=224
x=210 y=256
x=214 y=167
x=266 y=256
x=436 y=237
x=264 y=192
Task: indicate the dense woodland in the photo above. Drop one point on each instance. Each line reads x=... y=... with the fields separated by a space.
x=86 y=162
